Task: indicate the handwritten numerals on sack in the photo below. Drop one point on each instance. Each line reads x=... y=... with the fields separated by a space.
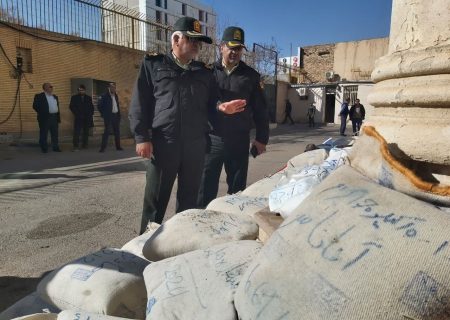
x=174 y=282
x=359 y=199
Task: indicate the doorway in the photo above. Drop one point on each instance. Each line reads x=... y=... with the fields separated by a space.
x=329 y=107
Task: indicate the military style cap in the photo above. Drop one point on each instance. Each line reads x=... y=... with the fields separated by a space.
x=234 y=37
x=191 y=28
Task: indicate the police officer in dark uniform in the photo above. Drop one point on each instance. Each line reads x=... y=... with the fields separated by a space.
x=230 y=137
x=169 y=118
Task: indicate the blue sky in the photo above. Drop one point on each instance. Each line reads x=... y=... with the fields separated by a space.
x=305 y=22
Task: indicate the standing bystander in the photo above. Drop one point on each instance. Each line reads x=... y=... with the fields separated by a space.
x=357 y=114
x=46 y=106
x=343 y=114
x=109 y=108
x=83 y=110
x=310 y=114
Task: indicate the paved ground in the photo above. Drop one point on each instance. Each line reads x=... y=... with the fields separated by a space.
x=56 y=207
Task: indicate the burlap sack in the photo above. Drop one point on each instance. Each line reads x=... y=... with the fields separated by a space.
x=106 y=282
x=199 y=284
x=30 y=304
x=38 y=316
x=353 y=250
x=262 y=188
x=371 y=156
x=239 y=204
x=135 y=245
x=308 y=158
x=198 y=229
x=81 y=315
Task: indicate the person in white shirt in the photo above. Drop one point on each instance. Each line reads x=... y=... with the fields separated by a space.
x=109 y=108
x=46 y=106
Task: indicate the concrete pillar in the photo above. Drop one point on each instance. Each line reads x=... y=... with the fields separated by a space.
x=411 y=95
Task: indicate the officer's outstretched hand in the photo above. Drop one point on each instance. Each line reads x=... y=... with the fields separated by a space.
x=259 y=146
x=144 y=149
x=233 y=106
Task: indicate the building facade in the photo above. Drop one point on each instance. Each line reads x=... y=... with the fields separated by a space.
x=328 y=73
x=164 y=13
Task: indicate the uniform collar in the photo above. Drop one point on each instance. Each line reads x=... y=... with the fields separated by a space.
x=184 y=66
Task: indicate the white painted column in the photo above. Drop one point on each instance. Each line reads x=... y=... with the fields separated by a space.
x=412 y=91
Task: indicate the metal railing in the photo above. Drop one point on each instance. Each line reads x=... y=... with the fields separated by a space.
x=97 y=20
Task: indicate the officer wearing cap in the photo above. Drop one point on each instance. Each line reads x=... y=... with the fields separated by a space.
x=230 y=137
x=168 y=115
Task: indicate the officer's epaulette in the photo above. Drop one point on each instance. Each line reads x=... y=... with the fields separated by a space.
x=152 y=55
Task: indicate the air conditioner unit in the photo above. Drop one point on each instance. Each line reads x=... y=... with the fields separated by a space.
x=302 y=92
x=329 y=75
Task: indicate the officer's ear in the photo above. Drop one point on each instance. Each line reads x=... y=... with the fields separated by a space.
x=176 y=38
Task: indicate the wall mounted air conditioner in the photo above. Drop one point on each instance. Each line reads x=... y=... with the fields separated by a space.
x=329 y=75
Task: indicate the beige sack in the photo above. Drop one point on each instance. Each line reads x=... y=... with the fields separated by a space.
x=353 y=250
x=262 y=188
x=38 y=316
x=135 y=245
x=372 y=157
x=238 y=204
x=30 y=304
x=81 y=315
x=106 y=282
x=200 y=284
x=198 y=229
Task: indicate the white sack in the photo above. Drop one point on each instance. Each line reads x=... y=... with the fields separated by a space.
x=238 y=203
x=296 y=186
x=105 y=282
x=82 y=315
x=200 y=284
x=198 y=229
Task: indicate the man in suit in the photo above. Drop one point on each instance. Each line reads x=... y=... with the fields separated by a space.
x=83 y=110
x=46 y=106
x=109 y=108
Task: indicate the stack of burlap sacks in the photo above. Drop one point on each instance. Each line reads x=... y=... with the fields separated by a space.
x=355 y=248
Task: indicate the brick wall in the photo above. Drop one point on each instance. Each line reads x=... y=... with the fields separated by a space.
x=58 y=63
x=317 y=60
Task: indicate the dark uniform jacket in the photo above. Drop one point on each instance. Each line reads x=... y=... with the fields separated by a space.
x=40 y=105
x=242 y=83
x=353 y=115
x=105 y=105
x=170 y=101
x=82 y=108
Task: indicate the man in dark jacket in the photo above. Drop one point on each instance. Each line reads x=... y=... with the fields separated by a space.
x=169 y=118
x=287 y=112
x=46 y=106
x=357 y=114
x=343 y=114
x=109 y=108
x=230 y=137
x=83 y=110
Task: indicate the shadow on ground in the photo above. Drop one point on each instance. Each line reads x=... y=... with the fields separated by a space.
x=12 y=289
